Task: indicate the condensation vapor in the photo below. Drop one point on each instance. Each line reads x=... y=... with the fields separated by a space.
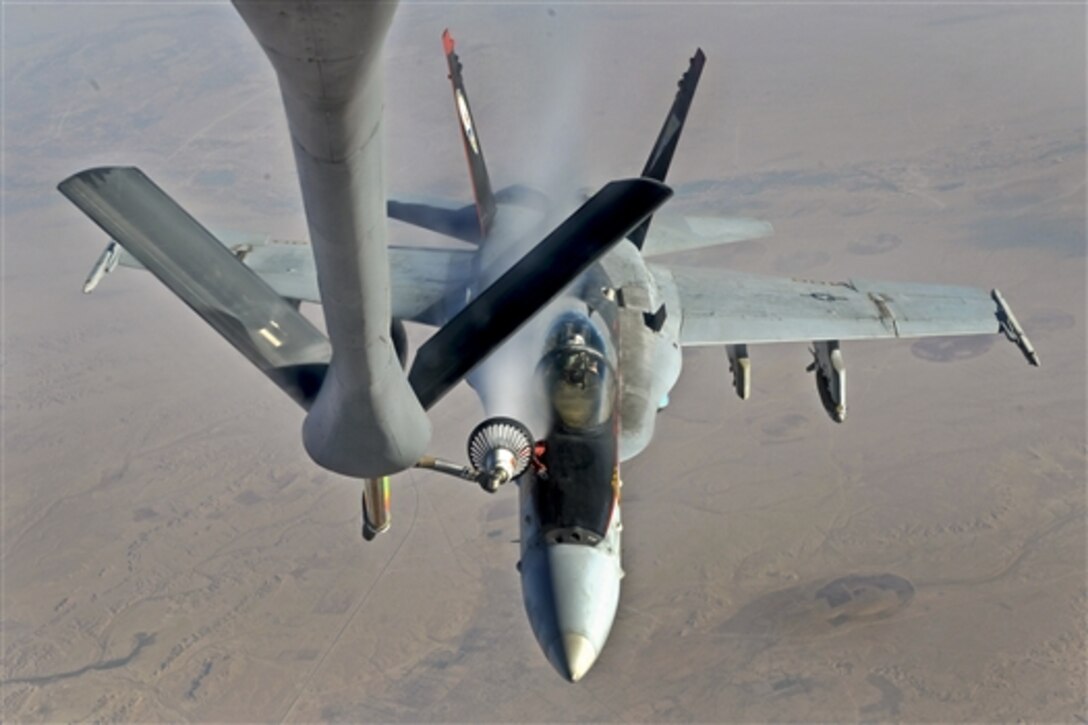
x=556 y=161
x=508 y=383
x=553 y=160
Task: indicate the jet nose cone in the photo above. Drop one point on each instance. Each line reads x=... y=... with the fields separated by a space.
x=579 y=654
x=571 y=593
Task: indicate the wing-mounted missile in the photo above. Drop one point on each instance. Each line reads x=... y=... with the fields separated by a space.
x=1010 y=327
x=830 y=371
x=105 y=264
x=741 y=368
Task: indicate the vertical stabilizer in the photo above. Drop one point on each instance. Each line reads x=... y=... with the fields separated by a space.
x=657 y=166
x=474 y=153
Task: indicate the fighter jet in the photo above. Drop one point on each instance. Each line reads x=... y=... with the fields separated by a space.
x=595 y=325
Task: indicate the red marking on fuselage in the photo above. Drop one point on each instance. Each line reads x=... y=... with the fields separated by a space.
x=447 y=41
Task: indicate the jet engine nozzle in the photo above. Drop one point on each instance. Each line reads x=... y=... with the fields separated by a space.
x=500 y=449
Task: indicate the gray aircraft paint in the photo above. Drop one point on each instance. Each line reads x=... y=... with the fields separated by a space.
x=365 y=421
x=654 y=308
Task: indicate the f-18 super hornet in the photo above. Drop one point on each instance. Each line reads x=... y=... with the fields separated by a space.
x=594 y=325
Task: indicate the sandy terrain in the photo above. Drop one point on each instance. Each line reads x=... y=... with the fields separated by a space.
x=170 y=553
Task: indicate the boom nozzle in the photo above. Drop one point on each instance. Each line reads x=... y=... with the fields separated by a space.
x=375 y=502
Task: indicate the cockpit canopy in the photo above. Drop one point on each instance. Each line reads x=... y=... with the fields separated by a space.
x=577 y=377
x=573 y=487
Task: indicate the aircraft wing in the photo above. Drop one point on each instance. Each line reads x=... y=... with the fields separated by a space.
x=727 y=307
x=428 y=284
x=421 y=278
x=287 y=268
x=677 y=233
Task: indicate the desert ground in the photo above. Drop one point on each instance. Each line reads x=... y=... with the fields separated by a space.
x=170 y=553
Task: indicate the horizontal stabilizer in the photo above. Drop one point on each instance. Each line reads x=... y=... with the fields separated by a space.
x=185 y=257
x=457 y=222
x=530 y=284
